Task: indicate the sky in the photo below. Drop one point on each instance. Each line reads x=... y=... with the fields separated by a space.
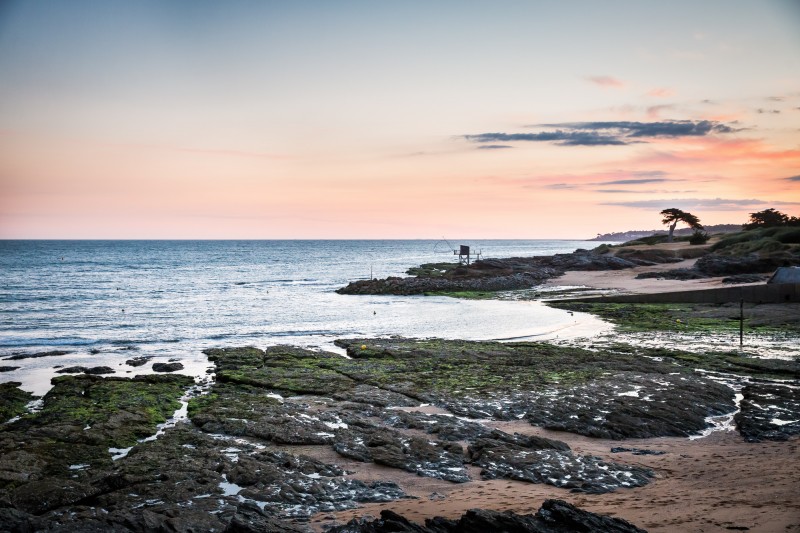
x=302 y=119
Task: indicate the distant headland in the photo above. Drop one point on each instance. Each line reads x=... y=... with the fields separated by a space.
x=632 y=235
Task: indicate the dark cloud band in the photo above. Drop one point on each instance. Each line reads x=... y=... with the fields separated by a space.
x=607 y=133
x=712 y=204
x=635 y=182
x=566 y=138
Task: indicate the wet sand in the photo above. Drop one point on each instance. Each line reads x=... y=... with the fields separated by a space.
x=715 y=483
x=625 y=280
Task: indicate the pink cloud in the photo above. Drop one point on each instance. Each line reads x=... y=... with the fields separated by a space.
x=606 y=81
x=654 y=112
x=713 y=150
x=660 y=92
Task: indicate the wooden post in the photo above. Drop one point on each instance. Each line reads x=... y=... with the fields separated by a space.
x=741 y=323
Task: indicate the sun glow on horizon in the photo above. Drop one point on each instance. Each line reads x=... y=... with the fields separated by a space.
x=396 y=120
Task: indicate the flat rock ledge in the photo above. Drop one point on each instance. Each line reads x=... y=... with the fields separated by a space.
x=254 y=452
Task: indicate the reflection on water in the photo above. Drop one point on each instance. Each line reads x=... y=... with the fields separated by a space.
x=106 y=302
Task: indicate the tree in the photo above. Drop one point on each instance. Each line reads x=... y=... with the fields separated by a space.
x=672 y=216
x=768 y=218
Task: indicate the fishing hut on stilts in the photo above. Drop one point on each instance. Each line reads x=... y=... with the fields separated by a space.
x=463 y=253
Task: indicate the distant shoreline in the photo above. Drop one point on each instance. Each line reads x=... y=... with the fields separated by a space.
x=631 y=235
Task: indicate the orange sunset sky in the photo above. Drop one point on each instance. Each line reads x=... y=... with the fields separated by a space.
x=396 y=119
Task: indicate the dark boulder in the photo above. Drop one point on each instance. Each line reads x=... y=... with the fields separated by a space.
x=18 y=356
x=72 y=370
x=92 y=371
x=167 y=367
x=138 y=361
x=250 y=519
x=554 y=516
x=586 y=260
x=726 y=265
x=97 y=370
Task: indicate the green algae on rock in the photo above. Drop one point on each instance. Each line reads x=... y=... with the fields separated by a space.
x=349 y=421
x=81 y=418
x=595 y=393
x=283 y=368
x=13 y=400
x=115 y=411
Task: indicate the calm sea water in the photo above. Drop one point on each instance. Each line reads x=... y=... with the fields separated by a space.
x=108 y=301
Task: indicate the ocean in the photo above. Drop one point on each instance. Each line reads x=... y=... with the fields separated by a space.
x=105 y=302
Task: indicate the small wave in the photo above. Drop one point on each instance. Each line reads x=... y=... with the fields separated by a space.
x=304 y=333
x=304 y=281
x=220 y=336
x=293 y=333
x=79 y=341
x=65 y=341
x=129 y=342
x=60 y=298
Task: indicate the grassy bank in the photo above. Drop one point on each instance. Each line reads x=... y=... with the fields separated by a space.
x=693 y=318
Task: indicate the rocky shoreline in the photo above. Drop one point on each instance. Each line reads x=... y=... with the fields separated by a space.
x=491 y=274
x=252 y=449
x=733 y=259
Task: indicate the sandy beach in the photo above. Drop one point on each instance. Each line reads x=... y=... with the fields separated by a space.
x=718 y=482
x=625 y=280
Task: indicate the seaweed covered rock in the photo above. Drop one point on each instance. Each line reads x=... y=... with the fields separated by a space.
x=598 y=394
x=768 y=411
x=94 y=371
x=167 y=367
x=244 y=410
x=447 y=428
x=248 y=402
x=13 y=400
x=188 y=480
x=81 y=418
x=138 y=361
x=526 y=459
x=19 y=356
x=422 y=456
x=633 y=405
x=281 y=368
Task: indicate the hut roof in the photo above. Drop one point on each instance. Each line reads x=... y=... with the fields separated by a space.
x=786 y=275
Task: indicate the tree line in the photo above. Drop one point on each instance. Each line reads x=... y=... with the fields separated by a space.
x=767 y=218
